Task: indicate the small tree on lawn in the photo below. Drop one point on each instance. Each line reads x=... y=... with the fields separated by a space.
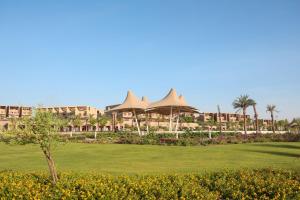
x=41 y=129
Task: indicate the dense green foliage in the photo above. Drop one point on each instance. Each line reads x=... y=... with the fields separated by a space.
x=185 y=139
x=245 y=184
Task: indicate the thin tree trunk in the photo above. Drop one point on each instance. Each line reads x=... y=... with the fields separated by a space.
x=86 y=126
x=51 y=166
x=273 y=126
x=177 y=122
x=245 y=121
x=171 y=119
x=256 y=119
x=147 y=122
x=209 y=133
x=220 y=119
x=220 y=123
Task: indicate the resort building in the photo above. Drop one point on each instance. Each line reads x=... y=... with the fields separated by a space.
x=14 y=111
x=84 y=113
x=228 y=120
x=9 y=112
x=225 y=117
x=170 y=113
x=69 y=111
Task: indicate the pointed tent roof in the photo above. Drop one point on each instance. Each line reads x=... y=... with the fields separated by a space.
x=171 y=100
x=184 y=103
x=182 y=100
x=145 y=101
x=131 y=103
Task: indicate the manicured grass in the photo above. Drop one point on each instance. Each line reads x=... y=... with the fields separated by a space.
x=144 y=159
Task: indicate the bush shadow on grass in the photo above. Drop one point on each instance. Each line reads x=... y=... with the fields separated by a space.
x=286 y=146
x=276 y=153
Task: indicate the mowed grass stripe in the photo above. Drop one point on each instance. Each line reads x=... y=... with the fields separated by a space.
x=147 y=159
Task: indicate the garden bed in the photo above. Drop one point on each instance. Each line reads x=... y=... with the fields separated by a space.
x=243 y=184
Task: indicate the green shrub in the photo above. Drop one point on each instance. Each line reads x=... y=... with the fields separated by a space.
x=244 y=184
x=185 y=139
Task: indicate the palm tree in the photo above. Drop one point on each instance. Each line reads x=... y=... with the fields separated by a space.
x=272 y=109
x=76 y=121
x=91 y=120
x=102 y=121
x=253 y=104
x=242 y=103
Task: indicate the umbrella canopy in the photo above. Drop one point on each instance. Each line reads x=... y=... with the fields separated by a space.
x=171 y=100
x=170 y=104
x=131 y=103
x=145 y=102
x=182 y=100
x=186 y=107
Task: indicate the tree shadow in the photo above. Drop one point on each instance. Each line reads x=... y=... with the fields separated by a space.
x=287 y=146
x=286 y=154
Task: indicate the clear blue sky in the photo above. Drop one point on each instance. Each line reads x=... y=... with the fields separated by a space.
x=91 y=52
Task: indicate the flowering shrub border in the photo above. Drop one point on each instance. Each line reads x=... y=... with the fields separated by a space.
x=243 y=184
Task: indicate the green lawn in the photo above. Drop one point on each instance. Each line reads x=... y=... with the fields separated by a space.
x=139 y=159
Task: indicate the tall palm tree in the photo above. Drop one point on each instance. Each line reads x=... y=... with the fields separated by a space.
x=253 y=104
x=272 y=109
x=242 y=103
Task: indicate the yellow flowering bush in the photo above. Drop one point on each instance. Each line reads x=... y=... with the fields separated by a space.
x=247 y=184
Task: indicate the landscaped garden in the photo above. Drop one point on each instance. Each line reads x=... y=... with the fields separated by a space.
x=124 y=171
x=155 y=166
x=243 y=184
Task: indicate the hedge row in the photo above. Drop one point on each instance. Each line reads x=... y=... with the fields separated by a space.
x=185 y=139
x=245 y=184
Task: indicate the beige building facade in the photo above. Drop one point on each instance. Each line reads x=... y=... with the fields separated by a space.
x=82 y=111
x=9 y=112
x=125 y=120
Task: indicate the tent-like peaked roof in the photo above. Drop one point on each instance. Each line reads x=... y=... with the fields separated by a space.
x=131 y=102
x=170 y=100
x=145 y=101
x=182 y=100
